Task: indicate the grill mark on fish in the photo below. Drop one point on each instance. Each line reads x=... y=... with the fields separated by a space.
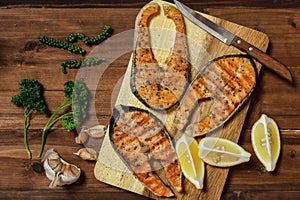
x=172 y=174
x=159 y=86
x=139 y=137
x=228 y=81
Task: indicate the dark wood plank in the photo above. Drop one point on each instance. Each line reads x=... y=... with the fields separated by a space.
x=251 y=195
x=133 y=3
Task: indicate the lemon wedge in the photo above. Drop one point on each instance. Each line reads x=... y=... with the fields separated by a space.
x=192 y=166
x=265 y=141
x=222 y=152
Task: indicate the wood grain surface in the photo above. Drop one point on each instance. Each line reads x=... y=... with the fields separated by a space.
x=21 y=55
x=133 y=3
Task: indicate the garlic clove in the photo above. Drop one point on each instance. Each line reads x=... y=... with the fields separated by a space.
x=58 y=171
x=87 y=154
x=82 y=136
x=97 y=131
x=70 y=173
x=55 y=180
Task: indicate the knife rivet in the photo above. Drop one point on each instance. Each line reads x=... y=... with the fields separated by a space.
x=250 y=48
x=239 y=41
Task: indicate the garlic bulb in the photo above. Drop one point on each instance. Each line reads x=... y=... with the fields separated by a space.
x=58 y=170
x=87 y=154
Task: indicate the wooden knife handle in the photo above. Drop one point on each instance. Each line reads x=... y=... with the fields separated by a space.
x=263 y=58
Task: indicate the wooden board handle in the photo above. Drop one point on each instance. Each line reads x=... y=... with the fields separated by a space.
x=263 y=58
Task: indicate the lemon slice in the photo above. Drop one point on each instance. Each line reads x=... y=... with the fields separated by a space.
x=222 y=152
x=192 y=166
x=265 y=141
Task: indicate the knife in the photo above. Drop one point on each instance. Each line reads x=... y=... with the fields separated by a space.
x=230 y=39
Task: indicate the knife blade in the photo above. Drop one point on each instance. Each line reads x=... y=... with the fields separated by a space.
x=231 y=39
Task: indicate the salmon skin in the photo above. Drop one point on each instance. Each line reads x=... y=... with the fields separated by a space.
x=227 y=82
x=159 y=86
x=139 y=138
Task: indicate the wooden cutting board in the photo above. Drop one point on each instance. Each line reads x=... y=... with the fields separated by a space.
x=202 y=48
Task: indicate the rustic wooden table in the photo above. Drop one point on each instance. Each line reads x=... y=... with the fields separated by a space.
x=21 y=55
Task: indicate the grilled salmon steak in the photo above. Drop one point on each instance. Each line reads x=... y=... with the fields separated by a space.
x=159 y=86
x=227 y=82
x=140 y=139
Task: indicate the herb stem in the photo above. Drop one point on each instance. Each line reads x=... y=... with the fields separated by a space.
x=59 y=118
x=46 y=128
x=26 y=126
x=51 y=121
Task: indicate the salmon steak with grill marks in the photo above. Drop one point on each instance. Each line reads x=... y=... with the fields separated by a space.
x=139 y=138
x=227 y=82
x=159 y=86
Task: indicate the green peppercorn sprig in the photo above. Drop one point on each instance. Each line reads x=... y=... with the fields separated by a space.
x=89 y=41
x=61 y=44
x=73 y=37
x=103 y=35
x=76 y=64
